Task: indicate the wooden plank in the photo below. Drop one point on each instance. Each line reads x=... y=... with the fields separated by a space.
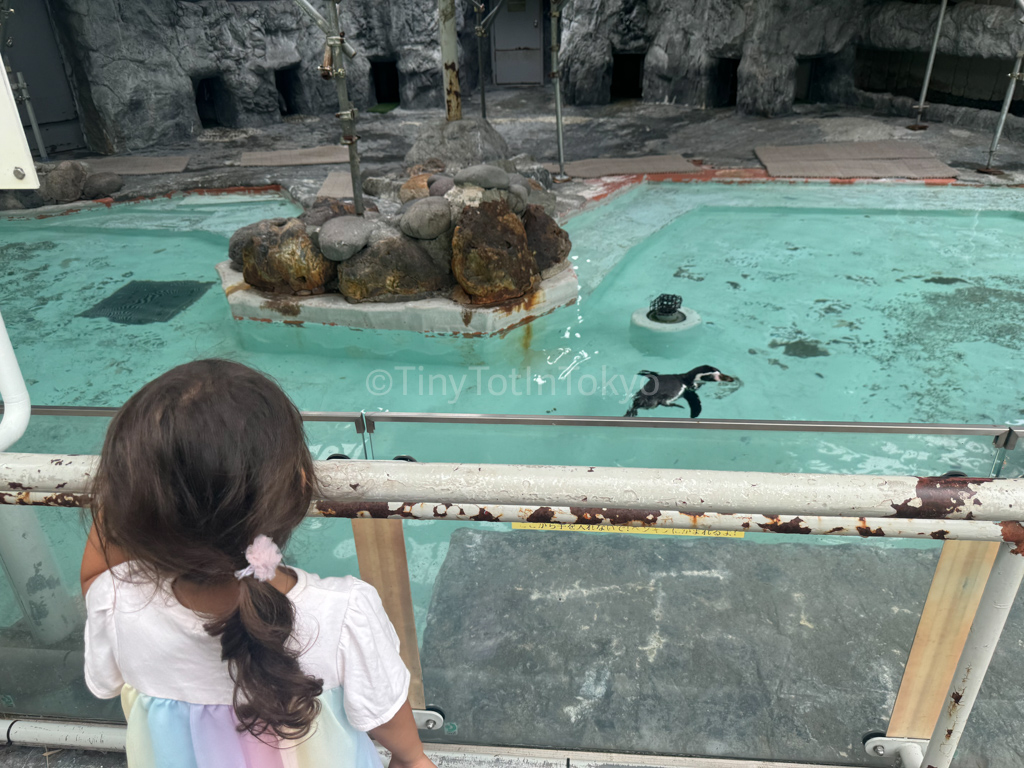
x=380 y=549
x=960 y=578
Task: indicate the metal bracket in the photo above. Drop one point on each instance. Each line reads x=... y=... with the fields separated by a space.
x=1007 y=440
x=348 y=114
x=428 y=719
x=910 y=751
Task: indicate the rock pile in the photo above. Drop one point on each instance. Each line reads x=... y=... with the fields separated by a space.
x=483 y=236
x=64 y=182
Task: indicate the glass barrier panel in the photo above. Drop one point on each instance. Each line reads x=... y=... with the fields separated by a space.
x=736 y=450
x=1012 y=464
x=42 y=616
x=63 y=434
x=764 y=647
x=327 y=438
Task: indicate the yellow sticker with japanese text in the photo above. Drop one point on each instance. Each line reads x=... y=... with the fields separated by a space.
x=630 y=529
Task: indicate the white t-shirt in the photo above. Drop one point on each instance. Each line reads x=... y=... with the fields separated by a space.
x=139 y=635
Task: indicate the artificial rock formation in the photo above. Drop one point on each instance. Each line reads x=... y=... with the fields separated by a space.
x=234 y=52
x=491 y=257
x=395 y=269
x=477 y=245
x=278 y=255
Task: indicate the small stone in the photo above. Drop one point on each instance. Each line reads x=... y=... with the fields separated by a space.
x=343 y=237
x=544 y=199
x=549 y=243
x=282 y=258
x=396 y=269
x=486 y=176
x=64 y=183
x=427 y=218
x=414 y=188
x=491 y=257
x=441 y=187
x=102 y=184
x=436 y=177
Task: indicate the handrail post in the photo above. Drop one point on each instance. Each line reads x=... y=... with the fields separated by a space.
x=987 y=627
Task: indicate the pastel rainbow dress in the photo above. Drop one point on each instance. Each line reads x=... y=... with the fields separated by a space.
x=141 y=644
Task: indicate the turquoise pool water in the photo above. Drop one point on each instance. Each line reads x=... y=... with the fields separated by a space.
x=859 y=303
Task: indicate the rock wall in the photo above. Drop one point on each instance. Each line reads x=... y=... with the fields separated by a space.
x=690 y=46
x=136 y=65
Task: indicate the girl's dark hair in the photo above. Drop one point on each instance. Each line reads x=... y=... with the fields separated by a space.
x=196 y=464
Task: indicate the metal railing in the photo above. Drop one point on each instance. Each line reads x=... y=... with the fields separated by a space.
x=365 y=422
x=862 y=505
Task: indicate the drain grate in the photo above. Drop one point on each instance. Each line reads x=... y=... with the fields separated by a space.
x=148 y=301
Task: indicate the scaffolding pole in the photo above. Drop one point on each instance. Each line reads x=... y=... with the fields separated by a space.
x=556 y=75
x=333 y=68
x=931 y=63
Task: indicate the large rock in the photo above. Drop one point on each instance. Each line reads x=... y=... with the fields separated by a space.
x=485 y=176
x=427 y=219
x=64 y=183
x=10 y=202
x=102 y=184
x=343 y=237
x=245 y=235
x=491 y=258
x=549 y=243
x=465 y=142
x=280 y=257
x=396 y=269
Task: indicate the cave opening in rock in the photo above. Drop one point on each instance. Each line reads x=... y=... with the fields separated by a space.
x=962 y=81
x=385 y=82
x=289 y=89
x=725 y=83
x=808 y=86
x=212 y=101
x=627 y=76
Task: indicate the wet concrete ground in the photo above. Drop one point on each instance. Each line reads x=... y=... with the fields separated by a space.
x=721 y=138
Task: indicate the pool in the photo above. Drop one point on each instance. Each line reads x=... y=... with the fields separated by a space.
x=891 y=303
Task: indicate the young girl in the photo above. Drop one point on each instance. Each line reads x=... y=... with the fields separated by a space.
x=222 y=656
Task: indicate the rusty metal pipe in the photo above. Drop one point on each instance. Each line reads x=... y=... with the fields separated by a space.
x=450 y=60
x=692 y=492
x=347 y=113
x=996 y=602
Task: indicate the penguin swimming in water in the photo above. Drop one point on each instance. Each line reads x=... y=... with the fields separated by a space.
x=665 y=389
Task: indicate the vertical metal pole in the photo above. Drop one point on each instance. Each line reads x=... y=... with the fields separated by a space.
x=556 y=75
x=1014 y=77
x=450 y=60
x=996 y=602
x=24 y=98
x=480 y=34
x=336 y=44
x=931 y=61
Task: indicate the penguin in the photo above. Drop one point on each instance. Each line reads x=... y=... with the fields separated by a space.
x=665 y=389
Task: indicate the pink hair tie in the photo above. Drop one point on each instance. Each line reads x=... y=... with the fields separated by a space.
x=263 y=556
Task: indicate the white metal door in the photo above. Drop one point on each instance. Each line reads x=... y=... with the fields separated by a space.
x=518 y=36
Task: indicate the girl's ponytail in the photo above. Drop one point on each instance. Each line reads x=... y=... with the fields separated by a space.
x=271 y=690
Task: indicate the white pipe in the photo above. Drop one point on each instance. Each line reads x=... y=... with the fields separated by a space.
x=986 y=629
x=692 y=492
x=17 y=406
x=64 y=735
